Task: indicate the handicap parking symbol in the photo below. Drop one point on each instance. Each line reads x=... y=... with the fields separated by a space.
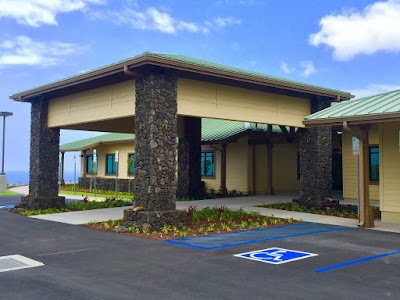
x=275 y=255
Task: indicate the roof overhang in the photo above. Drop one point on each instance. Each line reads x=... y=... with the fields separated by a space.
x=358 y=120
x=118 y=72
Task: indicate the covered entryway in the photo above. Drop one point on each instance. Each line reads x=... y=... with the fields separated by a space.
x=161 y=98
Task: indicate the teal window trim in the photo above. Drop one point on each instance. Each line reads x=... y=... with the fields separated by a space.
x=373 y=163
x=111 y=165
x=89 y=164
x=207 y=163
x=131 y=169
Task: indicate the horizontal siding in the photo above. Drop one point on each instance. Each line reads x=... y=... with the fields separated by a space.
x=209 y=100
x=390 y=161
x=350 y=166
x=109 y=102
x=237 y=164
x=284 y=168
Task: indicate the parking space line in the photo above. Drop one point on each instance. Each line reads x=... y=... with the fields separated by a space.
x=352 y=262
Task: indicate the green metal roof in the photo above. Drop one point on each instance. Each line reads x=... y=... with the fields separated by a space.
x=94 y=141
x=212 y=130
x=372 y=107
x=190 y=64
x=217 y=66
x=217 y=130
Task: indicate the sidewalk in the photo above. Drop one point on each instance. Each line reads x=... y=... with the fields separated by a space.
x=247 y=203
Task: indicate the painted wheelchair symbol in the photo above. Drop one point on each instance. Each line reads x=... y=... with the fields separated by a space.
x=275 y=255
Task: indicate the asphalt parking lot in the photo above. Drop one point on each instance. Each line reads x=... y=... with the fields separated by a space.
x=82 y=263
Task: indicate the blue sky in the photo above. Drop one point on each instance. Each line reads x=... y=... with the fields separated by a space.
x=352 y=45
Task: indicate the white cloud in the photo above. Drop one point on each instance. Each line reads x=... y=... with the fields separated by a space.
x=351 y=33
x=154 y=19
x=373 y=89
x=38 y=12
x=24 y=51
x=225 y=22
x=285 y=67
x=307 y=67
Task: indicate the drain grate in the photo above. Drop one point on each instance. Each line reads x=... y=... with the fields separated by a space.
x=17 y=262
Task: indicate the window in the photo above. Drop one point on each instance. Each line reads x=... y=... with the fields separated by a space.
x=131 y=164
x=207 y=164
x=111 y=165
x=374 y=163
x=89 y=164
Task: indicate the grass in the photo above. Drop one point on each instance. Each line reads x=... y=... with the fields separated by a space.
x=75 y=206
x=8 y=193
x=200 y=223
x=100 y=195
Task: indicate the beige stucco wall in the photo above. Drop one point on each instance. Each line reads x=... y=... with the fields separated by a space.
x=104 y=149
x=109 y=102
x=202 y=99
x=390 y=172
x=350 y=167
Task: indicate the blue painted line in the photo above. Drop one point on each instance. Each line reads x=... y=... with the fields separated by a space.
x=345 y=264
x=184 y=241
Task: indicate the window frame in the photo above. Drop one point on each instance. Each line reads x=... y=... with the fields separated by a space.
x=373 y=146
x=114 y=164
x=87 y=164
x=214 y=163
x=129 y=171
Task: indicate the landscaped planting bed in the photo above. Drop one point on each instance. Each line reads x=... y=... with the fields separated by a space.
x=337 y=210
x=200 y=222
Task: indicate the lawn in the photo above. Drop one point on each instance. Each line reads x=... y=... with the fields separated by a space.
x=101 y=194
x=75 y=206
x=8 y=193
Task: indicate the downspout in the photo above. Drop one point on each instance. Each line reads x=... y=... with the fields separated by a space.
x=129 y=72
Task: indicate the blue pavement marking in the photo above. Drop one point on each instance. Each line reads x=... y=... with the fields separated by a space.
x=352 y=262
x=6 y=206
x=275 y=255
x=217 y=241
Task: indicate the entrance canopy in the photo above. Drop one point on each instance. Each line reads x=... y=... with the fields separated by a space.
x=104 y=99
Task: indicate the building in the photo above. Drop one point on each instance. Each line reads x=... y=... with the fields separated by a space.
x=162 y=98
x=375 y=121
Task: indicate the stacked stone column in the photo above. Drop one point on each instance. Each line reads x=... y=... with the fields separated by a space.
x=316 y=160
x=44 y=160
x=156 y=152
x=189 y=156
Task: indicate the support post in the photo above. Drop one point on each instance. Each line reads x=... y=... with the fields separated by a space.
x=270 y=187
x=224 y=190
x=83 y=164
x=62 y=169
x=156 y=152
x=44 y=161
x=189 y=159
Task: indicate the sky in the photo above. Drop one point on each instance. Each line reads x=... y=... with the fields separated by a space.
x=351 y=45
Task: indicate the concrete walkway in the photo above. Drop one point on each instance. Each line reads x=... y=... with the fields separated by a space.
x=247 y=203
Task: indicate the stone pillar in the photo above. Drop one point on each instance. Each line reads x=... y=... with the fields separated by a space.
x=44 y=161
x=316 y=160
x=270 y=185
x=189 y=159
x=156 y=142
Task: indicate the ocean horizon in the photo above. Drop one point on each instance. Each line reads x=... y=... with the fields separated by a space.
x=22 y=177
